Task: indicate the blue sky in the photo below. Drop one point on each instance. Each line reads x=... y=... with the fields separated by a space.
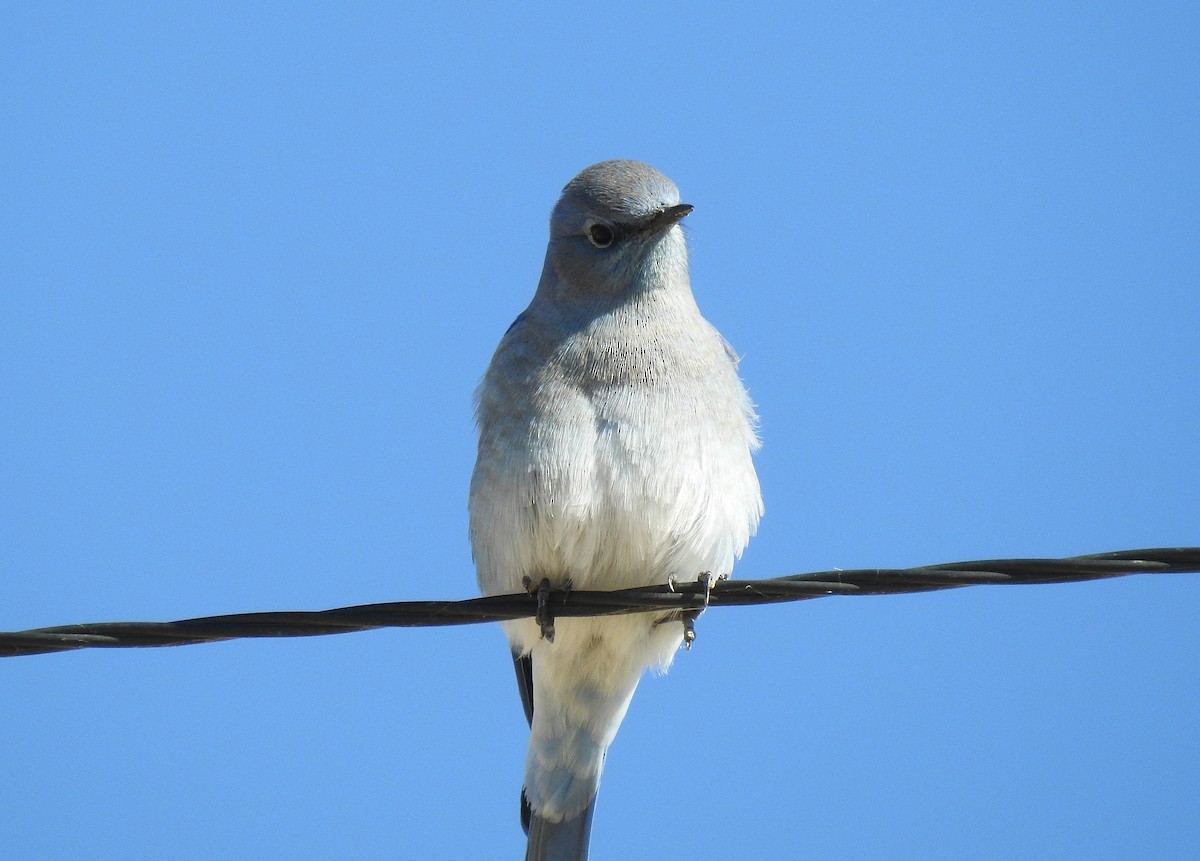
x=255 y=261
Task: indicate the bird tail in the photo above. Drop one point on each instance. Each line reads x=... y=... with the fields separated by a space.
x=557 y=841
x=582 y=684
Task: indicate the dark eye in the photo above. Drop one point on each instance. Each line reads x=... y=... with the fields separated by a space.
x=600 y=234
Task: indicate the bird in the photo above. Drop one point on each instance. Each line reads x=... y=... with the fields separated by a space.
x=615 y=450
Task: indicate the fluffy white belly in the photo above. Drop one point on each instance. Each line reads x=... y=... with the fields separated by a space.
x=600 y=500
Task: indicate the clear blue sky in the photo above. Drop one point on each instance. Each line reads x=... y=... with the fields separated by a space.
x=255 y=261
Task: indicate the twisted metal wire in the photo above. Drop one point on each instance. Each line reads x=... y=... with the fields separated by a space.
x=685 y=599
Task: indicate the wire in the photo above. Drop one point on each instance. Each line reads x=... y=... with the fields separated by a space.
x=685 y=600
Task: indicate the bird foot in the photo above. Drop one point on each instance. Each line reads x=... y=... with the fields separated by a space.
x=545 y=615
x=706 y=579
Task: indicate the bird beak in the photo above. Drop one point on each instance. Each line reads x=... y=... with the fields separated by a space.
x=668 y=218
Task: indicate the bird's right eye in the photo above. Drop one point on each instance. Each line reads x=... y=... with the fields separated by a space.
x=600 y=234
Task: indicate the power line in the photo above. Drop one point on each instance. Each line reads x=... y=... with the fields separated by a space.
x=687 y=600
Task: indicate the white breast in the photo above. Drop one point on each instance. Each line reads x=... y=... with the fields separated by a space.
x=611 y=466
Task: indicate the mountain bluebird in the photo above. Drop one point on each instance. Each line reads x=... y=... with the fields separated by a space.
x=614 y=451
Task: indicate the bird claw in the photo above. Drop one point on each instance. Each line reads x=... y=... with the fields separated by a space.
x=689 y=617
x=689 y=628
x=545 y=615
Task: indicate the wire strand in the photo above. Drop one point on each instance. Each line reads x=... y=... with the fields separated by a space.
x=678 y=600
